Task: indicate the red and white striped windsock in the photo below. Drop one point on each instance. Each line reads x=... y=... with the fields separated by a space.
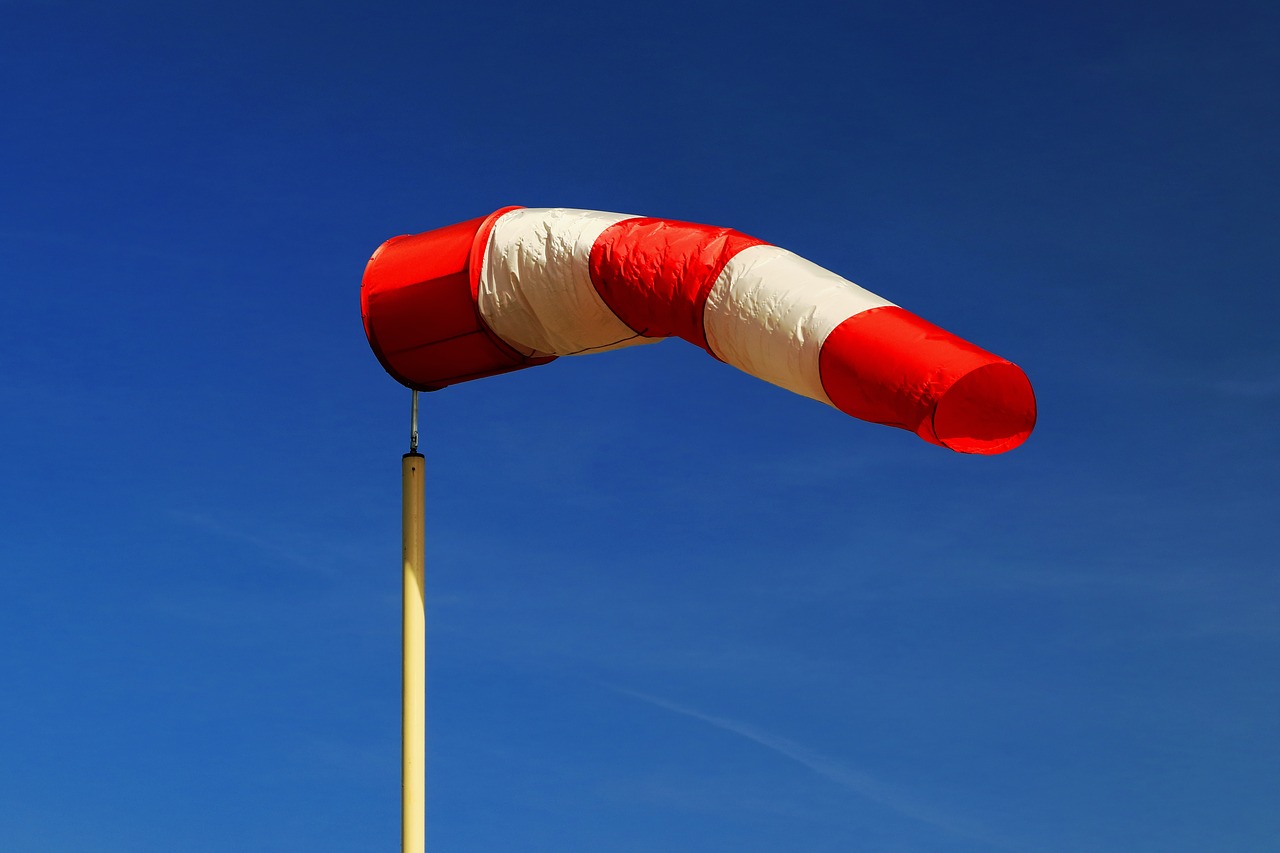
x=524 y=285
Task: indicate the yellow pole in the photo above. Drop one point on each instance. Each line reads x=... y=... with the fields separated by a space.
x=414 y=692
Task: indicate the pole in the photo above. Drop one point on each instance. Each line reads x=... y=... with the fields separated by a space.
x=414 y=688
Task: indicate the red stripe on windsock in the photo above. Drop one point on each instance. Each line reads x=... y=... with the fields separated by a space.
x=417 y=300
x=655 y=274
x=891 y=367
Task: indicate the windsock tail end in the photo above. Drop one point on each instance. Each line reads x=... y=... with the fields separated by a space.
x=989 y=410
x=889 y=366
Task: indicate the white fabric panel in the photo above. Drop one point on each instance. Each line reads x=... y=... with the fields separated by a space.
x=770 y=311
x=535 y=283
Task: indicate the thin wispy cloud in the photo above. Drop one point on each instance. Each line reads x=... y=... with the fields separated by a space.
x=857 y=781
x=275 y=550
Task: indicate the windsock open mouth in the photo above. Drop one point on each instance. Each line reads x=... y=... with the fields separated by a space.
x=522 y=286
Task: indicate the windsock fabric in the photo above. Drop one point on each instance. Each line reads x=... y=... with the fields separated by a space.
x=526 y=285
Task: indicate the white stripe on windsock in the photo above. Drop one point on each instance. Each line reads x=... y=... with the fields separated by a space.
x=771 y=310
x=535 y=289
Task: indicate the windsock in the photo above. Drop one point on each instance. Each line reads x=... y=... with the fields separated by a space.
x=523 y=286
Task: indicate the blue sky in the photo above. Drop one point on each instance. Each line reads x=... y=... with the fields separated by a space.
x=670 y=607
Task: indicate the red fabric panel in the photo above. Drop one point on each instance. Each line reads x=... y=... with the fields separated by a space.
x=420 y=313
x=403 y=324
x=447 y=362
x=891 y=367
x=655 y=274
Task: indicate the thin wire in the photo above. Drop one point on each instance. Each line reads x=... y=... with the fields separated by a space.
x=413 y=426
